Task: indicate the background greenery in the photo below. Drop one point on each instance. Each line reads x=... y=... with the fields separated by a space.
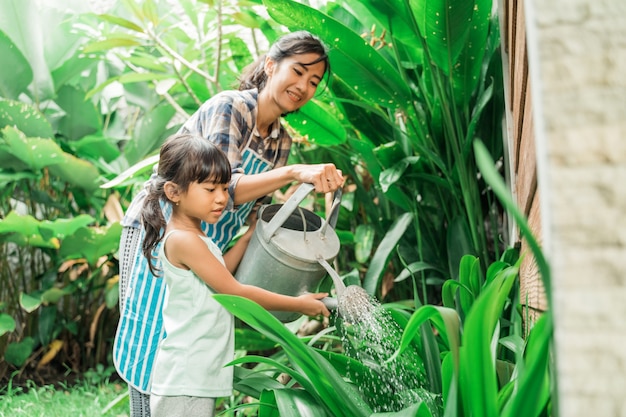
x=86 y=100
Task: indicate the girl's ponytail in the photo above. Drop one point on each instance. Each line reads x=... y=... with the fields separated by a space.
x=153 y=222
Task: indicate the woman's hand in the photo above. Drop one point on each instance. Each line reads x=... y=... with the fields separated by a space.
x=311 y=305
x=325 y=177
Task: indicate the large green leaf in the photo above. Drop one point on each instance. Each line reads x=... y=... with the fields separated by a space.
x=24 y=230
x=487 y=168
x=15 y=71
x=91 y=243
x=81 y=116
x=354 y=61
x=297 y=403
x=379 y=261
x=25 y=118
x=36 y=153
x=150 y=134
x=317 y=376
x=469 y=63
x=316 y=121
x=21 y=20
x=77 y=172
x=533 y=384
x=16 y=353
x=445 y=25
x=477 y=358
x=7 y=323
x=39 y=153
x=61 y=228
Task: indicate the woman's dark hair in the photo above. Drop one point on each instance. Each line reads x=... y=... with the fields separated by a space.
x=184 y=159
x=295 y=43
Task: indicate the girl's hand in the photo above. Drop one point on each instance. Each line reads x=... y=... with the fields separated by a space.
x=325 y=177
x=311 y=305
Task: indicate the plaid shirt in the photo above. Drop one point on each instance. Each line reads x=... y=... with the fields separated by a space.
x=228 y=119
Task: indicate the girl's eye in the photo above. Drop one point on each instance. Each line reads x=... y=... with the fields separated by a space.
x=297 y=71
x=314 y=84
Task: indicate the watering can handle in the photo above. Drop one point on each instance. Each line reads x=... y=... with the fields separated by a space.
x=290 y=205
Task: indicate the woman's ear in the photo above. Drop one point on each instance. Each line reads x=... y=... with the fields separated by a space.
x=269 y=66
x=172 y=191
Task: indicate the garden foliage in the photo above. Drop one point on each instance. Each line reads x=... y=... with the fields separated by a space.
x=86 y=100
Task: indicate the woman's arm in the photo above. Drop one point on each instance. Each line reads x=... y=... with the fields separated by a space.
x=325 y=177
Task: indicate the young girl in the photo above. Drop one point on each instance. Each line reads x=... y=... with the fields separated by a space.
x=246 y=125
x=189 y=370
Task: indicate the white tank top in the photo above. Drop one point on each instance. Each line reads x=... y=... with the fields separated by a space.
x=200 y=336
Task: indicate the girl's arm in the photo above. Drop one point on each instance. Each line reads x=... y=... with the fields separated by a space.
x=188 y=250
x=233 y=256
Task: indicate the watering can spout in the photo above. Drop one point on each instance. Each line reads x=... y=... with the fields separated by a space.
x=352 y=302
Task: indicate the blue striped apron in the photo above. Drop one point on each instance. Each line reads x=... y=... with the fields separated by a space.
x=140 y=328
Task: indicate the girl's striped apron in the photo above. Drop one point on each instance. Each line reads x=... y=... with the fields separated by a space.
x=140 y=328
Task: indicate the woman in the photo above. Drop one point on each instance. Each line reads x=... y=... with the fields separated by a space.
x=246 y=125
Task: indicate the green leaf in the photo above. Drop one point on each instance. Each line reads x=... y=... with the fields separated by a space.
x=444 y=25
x=138 y=168
x=354 y=61
x=459 y=243
x=150 y=133
x=15 y=72
x=53 y=295
x=21 y=21
x=111 y=43
x=37 y=153
x=414 y=410
x=81 y=116
x=486 y=166
x=24 y=118
x=414 y=268
x=379 y=261
x=250 y=340
x=297 y=403
x=116 y=20
x=364 y=242
x=316 y=121
x=389 y=176
x=30 y=303
x=150 y=12
x=533 y=385
x=467 y=72
x=477 y=359
x=315 y=374
x=7 y=324
x=446 y=321
x=46 y=324
x=17 y=353
x=91 y=243
x=77 y=172
x=27 y=227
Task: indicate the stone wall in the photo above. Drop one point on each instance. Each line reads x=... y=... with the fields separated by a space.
x=577 y=62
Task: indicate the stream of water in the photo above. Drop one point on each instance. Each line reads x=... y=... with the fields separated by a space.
x=372 y=340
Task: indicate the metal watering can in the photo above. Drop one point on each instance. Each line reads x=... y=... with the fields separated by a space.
x=284 y=253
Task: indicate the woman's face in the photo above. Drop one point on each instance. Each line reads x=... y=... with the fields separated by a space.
x=290 y=84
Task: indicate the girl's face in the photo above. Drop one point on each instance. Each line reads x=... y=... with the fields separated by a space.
x=291 y=84
x=204 y=201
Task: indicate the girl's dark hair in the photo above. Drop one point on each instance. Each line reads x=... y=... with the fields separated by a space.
x=184 y=159
x=295 y=43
